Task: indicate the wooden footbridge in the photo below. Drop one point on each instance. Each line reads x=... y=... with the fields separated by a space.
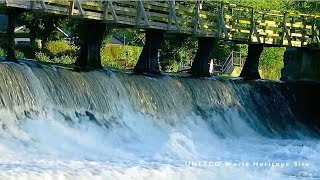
x=207 y=20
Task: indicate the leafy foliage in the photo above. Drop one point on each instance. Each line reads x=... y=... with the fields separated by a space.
x=271 y=63
x=176 y=53
x=40 y=56
x=60 y=48
x=263 y=4
x=2 y=52
x=41 y=25
x=120 y=56
x=222 y=50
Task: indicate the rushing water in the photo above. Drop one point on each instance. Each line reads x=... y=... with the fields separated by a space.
x=57 y=123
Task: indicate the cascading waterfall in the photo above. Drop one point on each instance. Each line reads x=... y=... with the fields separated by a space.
x=59 y=123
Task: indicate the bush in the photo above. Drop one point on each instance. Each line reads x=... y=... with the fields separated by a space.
x=117 y=56
x=271 y=63
x=2 y=52
x=177 y=53
x=40 y=56
x=19 y=54
x=65 y=59
x=60 y=48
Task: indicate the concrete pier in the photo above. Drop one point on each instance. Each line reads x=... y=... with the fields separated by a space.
x=200 y=65
x=250 y=68
x=148 y=61
x=12 y=17
x=91 y=36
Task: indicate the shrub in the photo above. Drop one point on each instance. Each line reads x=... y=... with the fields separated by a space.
x=40 y=56
x=117 y=56
x=271 y=63
x=19 y=54
x=2 y=52
x=60 y=48
x=65 y=59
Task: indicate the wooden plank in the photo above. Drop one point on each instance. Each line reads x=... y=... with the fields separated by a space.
x=198 y=23
x=222 y=23
x=253 y=30
x=296 y=35
x=43 y=5
x=234 y=17
x=159 y=4
x=112 y=10
x=155 y=8
x=126 y=9
x=240 y=27
x=125 y=20
x=173 y=17
x=71 y=9
x=141 y=13
x=79 y=7
x=18 y=4
x=285 y=31
x=209 y=14
x=185 y=9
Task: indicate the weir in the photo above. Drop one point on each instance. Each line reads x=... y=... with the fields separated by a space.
x=104 y=124
x=104 y=94
x=100 y=123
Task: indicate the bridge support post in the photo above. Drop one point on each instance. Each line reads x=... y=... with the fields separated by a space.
x=148 y=61
x=91 y=36
x=301 y=63
x=250 y=69
x=200 y=66
x=12 y=16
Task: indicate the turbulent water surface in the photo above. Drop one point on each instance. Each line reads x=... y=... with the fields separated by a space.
x=57 y=123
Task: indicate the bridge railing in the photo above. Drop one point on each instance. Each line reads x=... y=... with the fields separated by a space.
x=211 y=18
x=233 y=60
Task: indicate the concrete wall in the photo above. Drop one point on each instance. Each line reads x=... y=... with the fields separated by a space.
x=300 y=63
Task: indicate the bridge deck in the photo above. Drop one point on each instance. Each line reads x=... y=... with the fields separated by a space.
x=213 y=19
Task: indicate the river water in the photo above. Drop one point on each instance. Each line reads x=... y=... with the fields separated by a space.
x=60 y=124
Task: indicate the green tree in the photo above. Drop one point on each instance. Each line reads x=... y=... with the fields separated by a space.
x=41 y=25
x=177 y=52
x=271 y=63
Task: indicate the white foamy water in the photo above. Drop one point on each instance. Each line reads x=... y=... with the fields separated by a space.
x=59 y=124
